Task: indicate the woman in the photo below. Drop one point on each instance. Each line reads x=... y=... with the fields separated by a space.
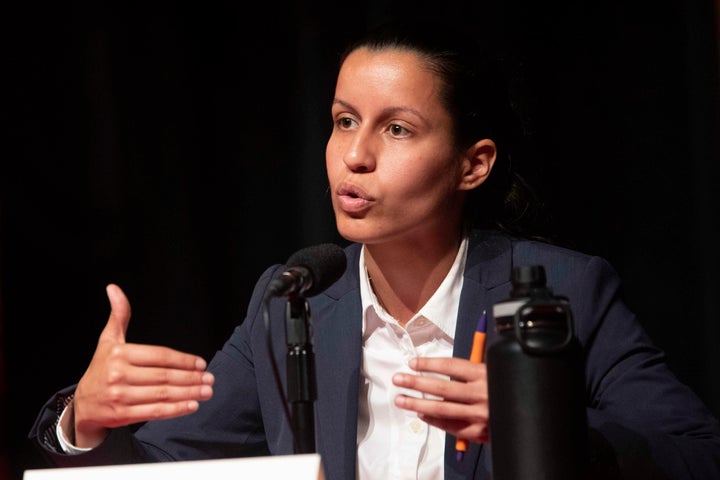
x=419 y=153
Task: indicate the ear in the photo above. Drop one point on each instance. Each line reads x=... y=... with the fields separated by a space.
x=477 y=163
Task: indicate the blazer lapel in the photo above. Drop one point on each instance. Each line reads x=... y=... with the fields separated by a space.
x=337 y=325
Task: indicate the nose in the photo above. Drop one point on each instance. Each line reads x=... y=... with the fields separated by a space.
x=360 y=155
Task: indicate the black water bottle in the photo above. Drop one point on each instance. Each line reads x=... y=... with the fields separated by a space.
x=538 y=423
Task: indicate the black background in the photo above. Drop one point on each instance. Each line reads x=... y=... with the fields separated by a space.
x=178 y=150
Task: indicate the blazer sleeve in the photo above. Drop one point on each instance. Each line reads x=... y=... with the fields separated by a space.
x=120 y=447
x=640 y=414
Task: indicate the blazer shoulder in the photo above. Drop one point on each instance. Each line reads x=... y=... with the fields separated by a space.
x=495 y=254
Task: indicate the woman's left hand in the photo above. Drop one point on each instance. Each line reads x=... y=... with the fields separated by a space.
x=461 y=408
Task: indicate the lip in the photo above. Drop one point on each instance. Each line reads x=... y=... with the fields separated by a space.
x=353 y=199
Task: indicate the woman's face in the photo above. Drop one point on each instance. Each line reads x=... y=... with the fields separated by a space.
x=393 y=170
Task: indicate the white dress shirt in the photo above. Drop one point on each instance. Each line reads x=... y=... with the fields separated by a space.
x=394 y=443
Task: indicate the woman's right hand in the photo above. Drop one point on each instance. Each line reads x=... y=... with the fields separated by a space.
x=128 y=383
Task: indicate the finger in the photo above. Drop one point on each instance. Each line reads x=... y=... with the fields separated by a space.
x=432 y=407
x=475 y=432
x=127 y=415
x=457 y=368
x=145 y=376
x=159 y=356
x=122 y=395
x=425 y=385
x=120 y=311
x=442 y=388
x=455 y=427
x=162 y=411
x=464 y=421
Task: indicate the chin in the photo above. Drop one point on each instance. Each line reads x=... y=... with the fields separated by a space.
x=353 y=230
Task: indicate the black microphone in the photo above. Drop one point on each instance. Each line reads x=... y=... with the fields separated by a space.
x=310 y=271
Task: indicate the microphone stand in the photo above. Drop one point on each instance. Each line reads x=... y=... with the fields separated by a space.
x=301 y=381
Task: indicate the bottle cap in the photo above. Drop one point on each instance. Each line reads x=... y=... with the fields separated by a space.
x=526 y=279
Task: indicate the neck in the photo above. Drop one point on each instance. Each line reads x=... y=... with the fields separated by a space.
x=404 y=277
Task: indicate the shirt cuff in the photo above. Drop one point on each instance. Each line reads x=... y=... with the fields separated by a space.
x=65 y=444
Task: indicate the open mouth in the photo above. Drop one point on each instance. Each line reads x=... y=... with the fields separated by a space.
x=351 y=191
x=352 y=198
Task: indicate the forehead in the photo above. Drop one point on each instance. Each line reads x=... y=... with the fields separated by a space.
x=390 y=75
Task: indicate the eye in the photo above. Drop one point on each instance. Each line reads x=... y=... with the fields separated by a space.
x=345 y=123
x=398 y=130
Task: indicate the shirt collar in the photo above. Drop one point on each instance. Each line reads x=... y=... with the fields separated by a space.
x=442 y=307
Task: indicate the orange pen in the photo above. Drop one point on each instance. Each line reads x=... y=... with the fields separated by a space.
x=476 y=356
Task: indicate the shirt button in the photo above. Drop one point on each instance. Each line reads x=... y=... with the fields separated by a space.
x=421 y=322
x=416 y=426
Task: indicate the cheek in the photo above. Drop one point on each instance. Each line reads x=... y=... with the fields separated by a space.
x=334 y=149
x=332 y=158
x=435 y=179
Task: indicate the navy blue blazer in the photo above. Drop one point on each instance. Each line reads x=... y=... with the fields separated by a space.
x=644 y=422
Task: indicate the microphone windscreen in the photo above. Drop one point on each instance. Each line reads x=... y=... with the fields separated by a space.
x=326 y=263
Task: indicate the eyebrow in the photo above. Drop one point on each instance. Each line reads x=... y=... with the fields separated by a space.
x=385 y=111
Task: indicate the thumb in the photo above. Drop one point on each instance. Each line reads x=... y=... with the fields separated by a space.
x=119 y=315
